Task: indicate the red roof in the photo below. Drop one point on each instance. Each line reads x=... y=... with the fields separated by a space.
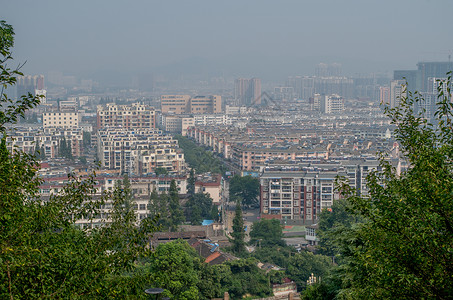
x=44 y=165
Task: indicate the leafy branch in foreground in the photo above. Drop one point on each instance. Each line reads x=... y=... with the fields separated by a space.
x=404 y=247
x=43 y=253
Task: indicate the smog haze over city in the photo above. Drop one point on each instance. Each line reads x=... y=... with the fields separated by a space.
x=253 y=149
x=113 y=41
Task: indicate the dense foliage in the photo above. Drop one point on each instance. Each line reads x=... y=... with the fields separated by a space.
x=177 y=268
x=402 y=248
x=238 y=234
x=42 y=253
x=65 y=148
x=198 y=158
x=246 y=189
x=267 y=232
x=166 y=208
x=200 y=207
x=333 y=223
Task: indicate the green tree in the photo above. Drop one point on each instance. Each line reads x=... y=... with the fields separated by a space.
x=62 y=147
x=247 y=188
x=191 y=183
x=158 y=208
x=303 y=264
x=404 y=247
x=173 y=267
x=267 y=232
x=165 y=213
x=200 y=207
x=86 y=139
x=247 y=279
x=319 y=291
x=238 y=234
x=277 y=255
x=38 y=151
x=333 y=223
x=65 y=149
x=199 y=158
x=69 y=150
x=123 y=201
x=43 y=254
x=43 y=153
x=176 y=213
x=160 y=171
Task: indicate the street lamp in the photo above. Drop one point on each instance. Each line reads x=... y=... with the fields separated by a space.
x=154 y=291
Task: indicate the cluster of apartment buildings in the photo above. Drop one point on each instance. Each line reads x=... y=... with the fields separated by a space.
x=55 y=179
x=139 y=151
x=300 y=192
x=257 y=146
x=48 y=140
x=297 y=160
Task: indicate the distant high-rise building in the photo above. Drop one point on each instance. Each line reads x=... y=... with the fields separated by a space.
x=247 y=91
x=177 y=104
x=315 y=102
x=321 y=70
x=418 y=80
x=342 y=86
x=307 y=87
x=397 y=91
x=304 y=87
x=409 y=76
x=334 y=69
x=60 y=120
x=328 y=70
x=427 y=70
x=427 y=106
x=29 y=84
x=331 y=104
x=384 y=95
x=206 y=104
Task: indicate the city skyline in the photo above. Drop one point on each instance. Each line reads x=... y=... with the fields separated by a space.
x=254 y=39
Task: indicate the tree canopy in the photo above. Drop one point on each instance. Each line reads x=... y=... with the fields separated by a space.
x=245 y=188
x=238 y=234
x=267 y=232
x=199 y=158
x=43 y=253
x=402 y=248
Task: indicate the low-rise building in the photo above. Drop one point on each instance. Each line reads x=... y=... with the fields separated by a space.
x=210 y=184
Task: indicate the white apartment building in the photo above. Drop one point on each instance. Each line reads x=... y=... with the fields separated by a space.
x=397 y=91
x=141 y=188
x=27 y=139
x=296 y=195
x=127 y=116
x=301 y=195
x=212 y=119
x=60 y=119
x=139 y=151
x=176 y=123
x=331 y=104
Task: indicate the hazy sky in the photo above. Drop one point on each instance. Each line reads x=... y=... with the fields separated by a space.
x=241 y=38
